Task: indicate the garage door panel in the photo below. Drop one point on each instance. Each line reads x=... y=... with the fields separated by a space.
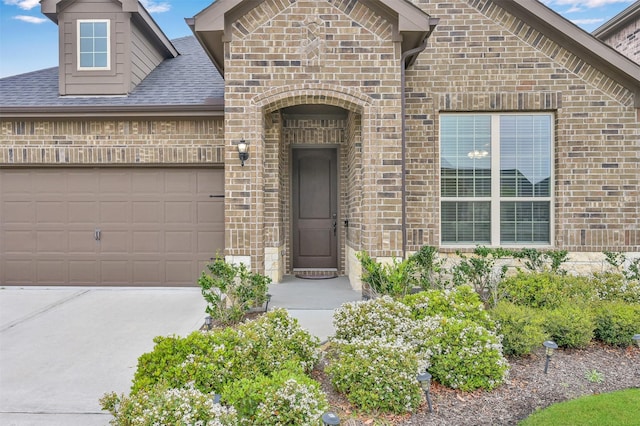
x=115 y=182
x=209 y=242
x=17 y=212
x=19 y=242
x=51 y=212
x=51 y=272
x=114 y=212
x=16 y=183
x=178 y=212
x=147 y=272
x=82 y=241
x=51 y=241
x=150 y=183
x=178 y=242
x=147 y=242
x=180 y=273
x=157 y=226
x=18 y=272
x=178 y=183
x=83 y=212
x=118 y=242
x=50 y=183
x=83 y=272
x=115 y=272
x=211 y=212
x=147 y=212
x=82 y=183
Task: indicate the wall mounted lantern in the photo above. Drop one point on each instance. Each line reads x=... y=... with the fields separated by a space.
x=550 y=346
x=425 y=383
x=243 y=151
x=330 y=419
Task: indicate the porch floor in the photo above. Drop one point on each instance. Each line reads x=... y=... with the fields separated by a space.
x=312 y=302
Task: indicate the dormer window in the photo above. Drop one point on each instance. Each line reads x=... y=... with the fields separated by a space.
x=93 y=45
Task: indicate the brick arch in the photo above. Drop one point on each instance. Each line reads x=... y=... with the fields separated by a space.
x=285 y=96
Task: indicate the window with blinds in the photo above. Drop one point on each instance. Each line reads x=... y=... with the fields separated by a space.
x=496 y=177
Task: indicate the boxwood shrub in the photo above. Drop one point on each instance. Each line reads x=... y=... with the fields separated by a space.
x=570 y=325
x=521 y=328
x=616 y=322
x=545 y=289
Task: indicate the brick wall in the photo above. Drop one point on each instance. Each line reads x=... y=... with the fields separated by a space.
x=482 y=59
x=111 y=142
x=627 y=40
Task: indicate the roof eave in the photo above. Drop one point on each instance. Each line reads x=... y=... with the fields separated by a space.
x=212 y=109
x=620 y=20
x=582 y=44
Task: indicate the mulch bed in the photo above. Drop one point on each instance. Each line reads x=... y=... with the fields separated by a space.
x=527 y=389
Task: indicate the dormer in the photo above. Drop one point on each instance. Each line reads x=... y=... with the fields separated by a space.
x=106 y=47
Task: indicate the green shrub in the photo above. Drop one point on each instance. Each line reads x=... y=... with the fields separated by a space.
x=394 y=279
x=232 y=290
x=520 y=327
x=540 y=261
x=376 y=375
x=481 y=271
x=429 y=268
x=159 y=405
x=467 y=356
x=286 y=397
x=569 y=325
x=612 y=286
x=382 y=317
x=458 y=302
x=545 y=289
x=212 y=359
x=616 y=322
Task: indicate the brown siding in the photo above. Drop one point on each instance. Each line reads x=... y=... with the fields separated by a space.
x=144 y=57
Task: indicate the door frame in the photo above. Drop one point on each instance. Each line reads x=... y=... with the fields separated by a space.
x=339 y=201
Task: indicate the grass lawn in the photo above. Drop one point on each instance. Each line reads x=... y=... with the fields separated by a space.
x=616 y=408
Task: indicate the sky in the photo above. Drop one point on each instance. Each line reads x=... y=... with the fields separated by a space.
x=29 y=40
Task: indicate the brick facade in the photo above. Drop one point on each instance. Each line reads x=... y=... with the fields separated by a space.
x=341 y=53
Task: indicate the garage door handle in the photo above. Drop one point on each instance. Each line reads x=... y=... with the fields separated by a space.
x=216 y=196
x=97 y=234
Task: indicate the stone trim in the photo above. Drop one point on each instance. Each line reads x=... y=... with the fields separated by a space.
x=499 y=101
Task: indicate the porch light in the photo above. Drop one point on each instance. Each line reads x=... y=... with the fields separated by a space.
x=636 y=339
x=425 y=383
x=207 y=322
x=330 y=419
x=550 y=346
x=243 y=151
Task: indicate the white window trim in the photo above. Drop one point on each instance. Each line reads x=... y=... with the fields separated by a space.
x=81 y=68
x=496 y=198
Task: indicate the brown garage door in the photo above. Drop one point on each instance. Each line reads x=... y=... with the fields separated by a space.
x=117 y=227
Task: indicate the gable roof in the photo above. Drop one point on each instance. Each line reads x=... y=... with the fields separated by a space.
x=51 y=8
x=188 y=84
x=579 y=42
x=619 y=21
x=412 y=24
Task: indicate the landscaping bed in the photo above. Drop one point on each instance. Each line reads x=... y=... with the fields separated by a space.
x=527 y=389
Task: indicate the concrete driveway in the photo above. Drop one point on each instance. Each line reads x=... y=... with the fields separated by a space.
x=62 y=348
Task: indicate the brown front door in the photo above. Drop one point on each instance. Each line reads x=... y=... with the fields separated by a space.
x=315 y=208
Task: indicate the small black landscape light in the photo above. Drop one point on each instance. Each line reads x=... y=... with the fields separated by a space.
x=425 y=383
x=216 y=398
x=330 y=419
x=550 y=346
x=266 y=307
x=636 y=339
x=207 y=321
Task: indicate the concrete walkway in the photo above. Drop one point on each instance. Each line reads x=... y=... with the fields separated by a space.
x=62 y=348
